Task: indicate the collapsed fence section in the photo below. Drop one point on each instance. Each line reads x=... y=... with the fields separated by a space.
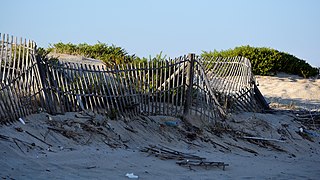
x=20 y=84
x=152 y=88
x=234 y=84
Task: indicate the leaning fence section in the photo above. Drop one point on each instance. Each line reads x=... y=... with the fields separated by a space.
x=20 y=85
x=234 y=84
x=152 y=88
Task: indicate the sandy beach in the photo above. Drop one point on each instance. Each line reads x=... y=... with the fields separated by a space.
x=293 y=90
x=281 y=144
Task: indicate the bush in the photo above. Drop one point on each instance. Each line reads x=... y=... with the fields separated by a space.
x=267 y=61
x=111 y=55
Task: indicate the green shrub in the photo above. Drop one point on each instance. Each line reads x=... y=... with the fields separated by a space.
x=267 y=61
x=111 y=55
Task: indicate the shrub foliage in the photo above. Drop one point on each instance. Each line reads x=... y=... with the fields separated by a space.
x=267 y=61
x=111 y=55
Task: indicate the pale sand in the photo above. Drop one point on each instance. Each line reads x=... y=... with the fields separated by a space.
x=87 y=155
x=291 y=90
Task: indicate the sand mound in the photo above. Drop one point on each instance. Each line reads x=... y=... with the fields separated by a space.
x=78 y=146
x=290 y=91
x=282 y=144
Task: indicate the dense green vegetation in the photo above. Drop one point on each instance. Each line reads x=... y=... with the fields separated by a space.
x=267 y=61
x=264 y=61
x=111 y=55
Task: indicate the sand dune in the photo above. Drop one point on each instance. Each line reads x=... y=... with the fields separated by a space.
x=291 y=90
x=77 y=146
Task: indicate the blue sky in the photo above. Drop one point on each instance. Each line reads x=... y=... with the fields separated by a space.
x=175 y=27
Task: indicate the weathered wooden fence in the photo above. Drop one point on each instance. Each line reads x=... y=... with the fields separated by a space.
x=20 y=85
x=151 y=88
x=234 y=84
x=187 y=85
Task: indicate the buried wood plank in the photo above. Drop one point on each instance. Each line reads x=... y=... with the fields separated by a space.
x=206 y=164
x=184 y=159
x=168 y=153
x=243 y=148
x=38 y=138
x=263 y=139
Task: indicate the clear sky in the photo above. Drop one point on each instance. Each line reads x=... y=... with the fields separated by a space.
x=175 y=27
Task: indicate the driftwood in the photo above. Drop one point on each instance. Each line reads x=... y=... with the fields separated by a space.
x=3 y=137
x=203 y=163
x=184 y=159
x=87 y=131
x=263 y=139
x=215 y=143
x=261 y=142
x=243 y=148
x=16 y=140
x=308 y=118
x=38 y=138
x=130 y=129
x=64 y=132
x=167 y=153
x=308 y=114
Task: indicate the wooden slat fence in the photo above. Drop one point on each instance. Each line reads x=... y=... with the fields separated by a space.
x=153 y=88
x=20 y=86
x=234 y=84
x=187 y=85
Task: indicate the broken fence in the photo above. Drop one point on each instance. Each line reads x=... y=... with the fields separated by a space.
x=181 y=86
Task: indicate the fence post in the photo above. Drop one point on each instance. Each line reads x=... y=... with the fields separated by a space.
x=189 y=84
x=48 y=101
